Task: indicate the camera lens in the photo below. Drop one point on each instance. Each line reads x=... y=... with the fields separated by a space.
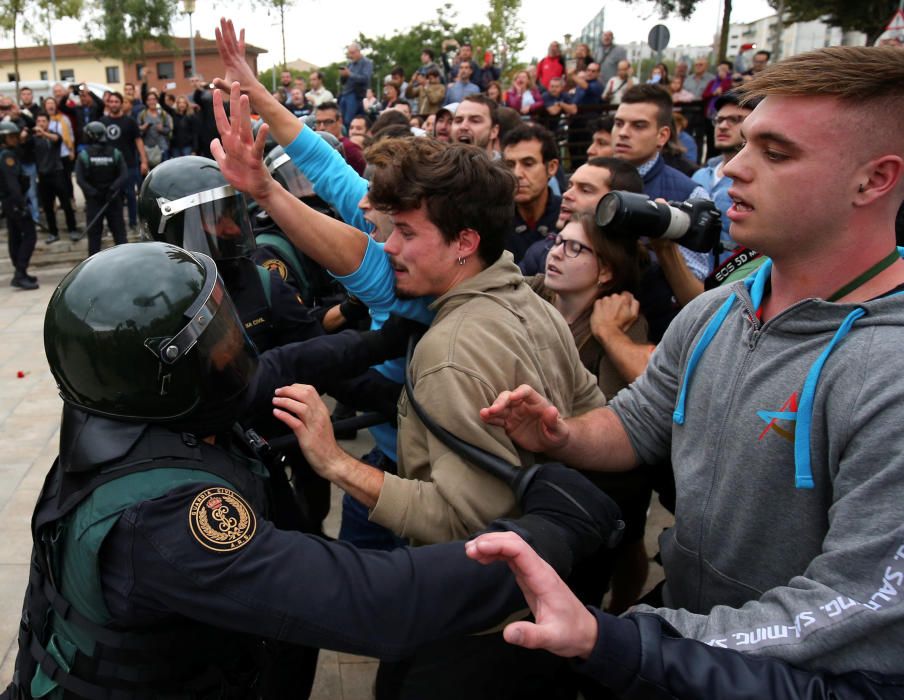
x=607 y=209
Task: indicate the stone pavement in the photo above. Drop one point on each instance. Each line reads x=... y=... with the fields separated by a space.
x=29 y=435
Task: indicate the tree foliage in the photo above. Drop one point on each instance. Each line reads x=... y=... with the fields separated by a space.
x=126 y=24
x=33 y=18
x=682 y=8
x=404 y=47
x=867 y=16
x=503 y=33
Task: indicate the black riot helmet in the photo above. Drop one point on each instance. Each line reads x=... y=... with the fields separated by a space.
x=187 y=202
x=146 y=332
x=8 y=129
x=286 y=174
x=95 y=132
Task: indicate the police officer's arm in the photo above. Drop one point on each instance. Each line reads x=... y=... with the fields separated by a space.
x=289 y=586
x=641 y=656
x=333 y=244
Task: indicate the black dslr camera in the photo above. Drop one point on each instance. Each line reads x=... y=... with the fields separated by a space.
x=695 y=224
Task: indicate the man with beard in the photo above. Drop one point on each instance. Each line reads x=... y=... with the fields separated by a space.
x=530 y=151
x=123 y=133
x=442 y=127
x=476 y=122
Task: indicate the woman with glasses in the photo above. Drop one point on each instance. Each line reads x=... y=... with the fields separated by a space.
x=583 y=267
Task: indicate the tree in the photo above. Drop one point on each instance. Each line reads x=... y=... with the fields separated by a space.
x=404 y=48
x=126 y=25
x=279 y=6
x=35 y=16
x=503 y=33
x=867 y=16
x=685 y=9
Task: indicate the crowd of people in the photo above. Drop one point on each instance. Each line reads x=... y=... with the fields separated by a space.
x=442 y=260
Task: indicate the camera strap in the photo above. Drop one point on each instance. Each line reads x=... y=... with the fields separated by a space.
x=866 y=276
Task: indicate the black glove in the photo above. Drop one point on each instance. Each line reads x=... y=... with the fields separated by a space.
x=353 y=310
x=566 y=518
x=392 y=339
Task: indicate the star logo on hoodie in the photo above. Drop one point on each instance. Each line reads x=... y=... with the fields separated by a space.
x=788 y=412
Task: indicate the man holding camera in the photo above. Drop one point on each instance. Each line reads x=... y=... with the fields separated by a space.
x=778 y=399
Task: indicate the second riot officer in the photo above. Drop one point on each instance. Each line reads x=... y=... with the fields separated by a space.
x=101 y=172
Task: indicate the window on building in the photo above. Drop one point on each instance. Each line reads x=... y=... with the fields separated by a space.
x=139 y=67
x=165 y=70
x=67 y=74
x=11 y=77
x=187 y=71
x=44 y=75
x=112 y=74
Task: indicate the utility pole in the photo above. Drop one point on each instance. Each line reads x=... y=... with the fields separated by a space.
x=53 y=66
x=189 y=8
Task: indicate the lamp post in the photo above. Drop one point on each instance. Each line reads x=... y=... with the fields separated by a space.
x=188 y=7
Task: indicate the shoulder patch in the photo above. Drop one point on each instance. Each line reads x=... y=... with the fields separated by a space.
x=278 y=265
x=221 y=520
x=10 y=161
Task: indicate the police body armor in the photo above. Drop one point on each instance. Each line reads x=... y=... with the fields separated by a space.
x=7 y=154
x=102 y=165
x=67 y=639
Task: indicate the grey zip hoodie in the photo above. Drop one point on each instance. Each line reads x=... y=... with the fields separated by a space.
x=789 y=533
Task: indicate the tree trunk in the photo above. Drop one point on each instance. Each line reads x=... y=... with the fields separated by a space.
x=726 y=22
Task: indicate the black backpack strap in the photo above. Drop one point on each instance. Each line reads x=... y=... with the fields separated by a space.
x=516 y=477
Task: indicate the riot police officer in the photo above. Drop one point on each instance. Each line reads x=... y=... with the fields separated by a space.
x=187 y=202
x=101 y=172
x=13 y=191
x=274 y=250
x=156 y=571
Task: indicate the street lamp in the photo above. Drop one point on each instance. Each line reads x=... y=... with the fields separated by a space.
x=188 y=6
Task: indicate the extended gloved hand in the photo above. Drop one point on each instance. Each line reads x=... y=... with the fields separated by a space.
x=392 y=339
x=566 y=517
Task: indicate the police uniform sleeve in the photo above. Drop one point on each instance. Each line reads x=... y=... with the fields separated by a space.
x=203 y=553
x=123 y=175
x=321 y=361
x=293 y=321
x=80 y=178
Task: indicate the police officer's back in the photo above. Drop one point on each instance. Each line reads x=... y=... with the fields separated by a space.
x=101 y=172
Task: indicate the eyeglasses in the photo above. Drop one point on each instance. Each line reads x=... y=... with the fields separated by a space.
x=572 y=247
x=324 y=122
x=732 y=120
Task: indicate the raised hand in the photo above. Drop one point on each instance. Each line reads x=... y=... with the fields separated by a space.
x=528 y=419
x=232 y=53
x=238 y=154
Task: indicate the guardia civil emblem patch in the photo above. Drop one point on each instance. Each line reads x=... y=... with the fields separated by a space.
x=221 y=520
x=278 y=265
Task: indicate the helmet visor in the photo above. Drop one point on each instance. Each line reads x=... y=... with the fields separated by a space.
x=224 y=355
x=215 y=222
x=290 y=177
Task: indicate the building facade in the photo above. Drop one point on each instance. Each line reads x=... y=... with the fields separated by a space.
x=170 y=68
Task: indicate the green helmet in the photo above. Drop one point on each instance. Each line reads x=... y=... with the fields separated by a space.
x=95 y=132
x=8 y=128
x=187 y=202
x=146 y=332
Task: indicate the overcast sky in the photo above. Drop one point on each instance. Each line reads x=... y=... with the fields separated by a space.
x=317 y=30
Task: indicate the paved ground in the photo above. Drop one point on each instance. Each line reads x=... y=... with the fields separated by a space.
x=29 y=434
